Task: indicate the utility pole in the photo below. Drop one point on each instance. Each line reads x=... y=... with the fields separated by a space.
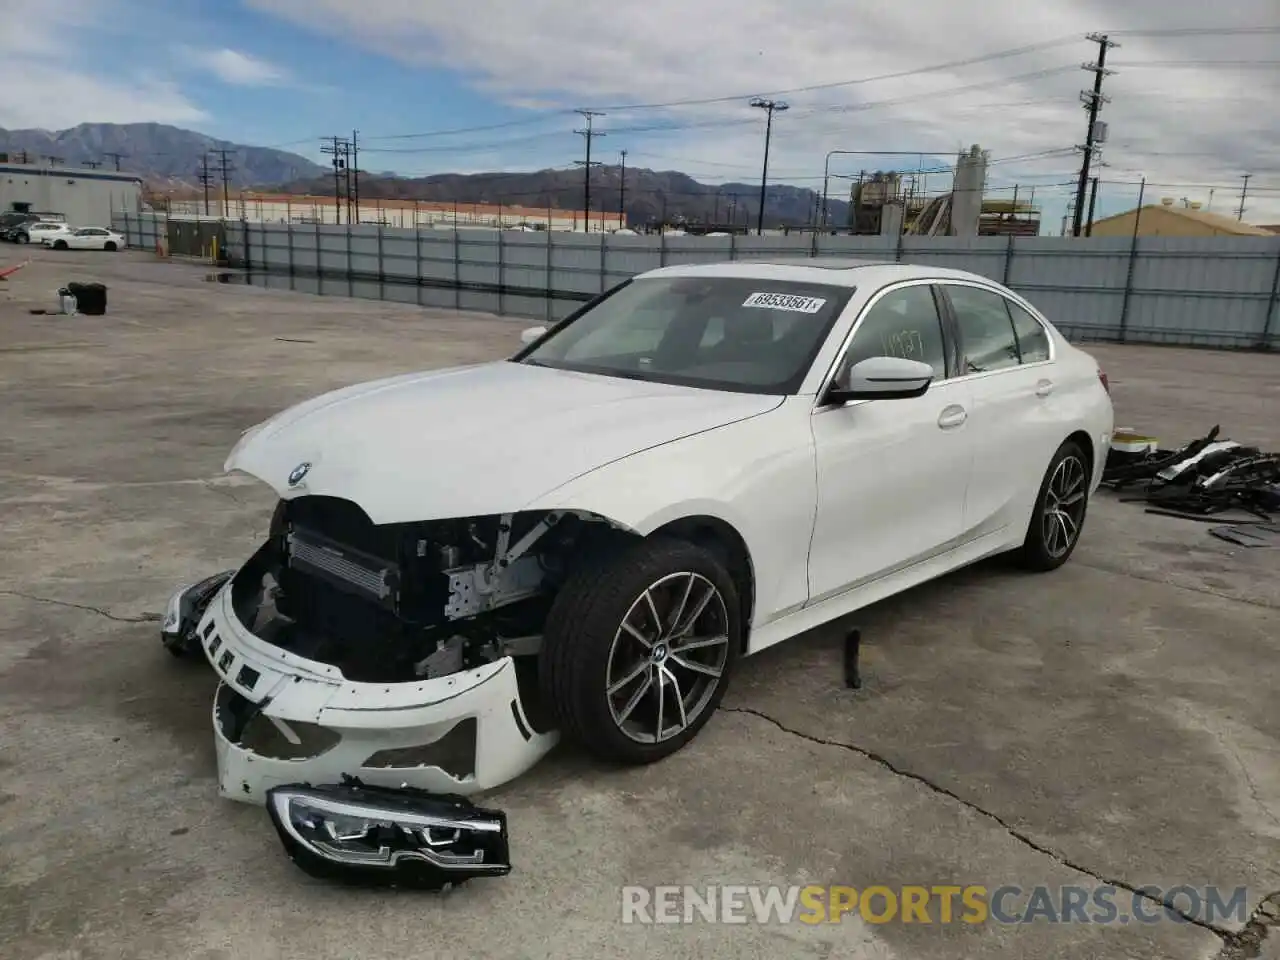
x=589 y=134
x=93 y=164
x=355 y=171
x=1093 y=200
x=1244 y=192
x=1093 y=101
x=117 y=157
x=340 y=149
x=205 y=178
x=770 y=107
x=225 y=169
x=622 y=192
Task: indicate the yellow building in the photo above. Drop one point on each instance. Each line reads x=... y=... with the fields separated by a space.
x=1166 y=220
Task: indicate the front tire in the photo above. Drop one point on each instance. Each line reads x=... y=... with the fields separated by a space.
x=637 y=651
x=1059 y=514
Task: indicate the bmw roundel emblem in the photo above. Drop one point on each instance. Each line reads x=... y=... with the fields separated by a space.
x=297 y=473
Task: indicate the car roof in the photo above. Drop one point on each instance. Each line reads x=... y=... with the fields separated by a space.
x=835 y=271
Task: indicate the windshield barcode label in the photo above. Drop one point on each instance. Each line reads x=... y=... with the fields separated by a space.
x=785 y=301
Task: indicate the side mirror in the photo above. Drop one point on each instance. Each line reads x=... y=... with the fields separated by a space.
x=881 y=378
x=530 y=334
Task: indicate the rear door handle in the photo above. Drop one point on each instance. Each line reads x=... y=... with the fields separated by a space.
x=952 y=417
x=1044 y=388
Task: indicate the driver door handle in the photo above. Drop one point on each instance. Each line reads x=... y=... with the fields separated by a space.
x=952 y=417
x=1044 y=388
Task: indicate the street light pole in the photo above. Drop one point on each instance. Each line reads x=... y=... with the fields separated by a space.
x=769 y=106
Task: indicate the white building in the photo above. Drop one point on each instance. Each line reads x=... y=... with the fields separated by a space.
x=85 y=197
x=286 y=208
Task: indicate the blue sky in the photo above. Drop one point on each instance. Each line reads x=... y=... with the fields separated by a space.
x=286 y=72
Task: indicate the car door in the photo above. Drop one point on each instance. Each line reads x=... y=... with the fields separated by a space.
x=891 y=474
x=1006 y=359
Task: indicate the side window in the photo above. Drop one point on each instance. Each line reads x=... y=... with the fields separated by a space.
x=986 y=331
x=903 y=323
x=1033 y=341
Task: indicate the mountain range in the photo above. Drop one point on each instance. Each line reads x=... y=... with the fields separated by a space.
x=170 y=159
x=159 y=153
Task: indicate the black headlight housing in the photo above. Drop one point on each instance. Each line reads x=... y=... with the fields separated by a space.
x=184 y=611
x=381 y=836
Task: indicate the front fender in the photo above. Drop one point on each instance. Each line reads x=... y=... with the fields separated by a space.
x=756 y=475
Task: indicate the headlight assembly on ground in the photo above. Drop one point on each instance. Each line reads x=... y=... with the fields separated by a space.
x=376 y=835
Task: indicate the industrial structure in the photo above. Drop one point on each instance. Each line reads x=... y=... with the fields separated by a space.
x=896 y=202
x=1171 y=219
x=297 y=209
x=85 y=197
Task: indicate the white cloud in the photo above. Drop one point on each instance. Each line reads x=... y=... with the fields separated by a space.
x=43 y=82
x=237 y=68
x=1180 y=125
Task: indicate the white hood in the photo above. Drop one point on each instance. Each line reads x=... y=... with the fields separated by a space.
x=474 y=440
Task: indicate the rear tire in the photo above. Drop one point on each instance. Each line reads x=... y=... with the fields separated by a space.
x=59 y=244
x=23 y=238
x=1059 y=514
x=630 y=687
x=109 y=246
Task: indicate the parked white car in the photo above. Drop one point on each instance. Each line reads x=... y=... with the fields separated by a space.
x=86 y=238
x=584 y=539
x=41 y=230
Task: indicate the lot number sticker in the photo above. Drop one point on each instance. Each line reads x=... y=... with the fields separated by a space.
x=785 y=301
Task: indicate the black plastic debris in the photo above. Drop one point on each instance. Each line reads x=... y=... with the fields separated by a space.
x=1206 y=477
x=1249 y=534
x=357 y=834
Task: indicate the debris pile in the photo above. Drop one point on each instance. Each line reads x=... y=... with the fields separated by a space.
x=1204 y=480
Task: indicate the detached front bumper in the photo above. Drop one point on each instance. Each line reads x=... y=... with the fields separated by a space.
x=281 y=719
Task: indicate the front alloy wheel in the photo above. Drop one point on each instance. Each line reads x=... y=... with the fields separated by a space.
x=667 y=658
x=637 y=650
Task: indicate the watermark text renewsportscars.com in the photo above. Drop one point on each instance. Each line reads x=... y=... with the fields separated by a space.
x=932 y=904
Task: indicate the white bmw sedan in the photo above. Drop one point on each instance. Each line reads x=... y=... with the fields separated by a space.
x=585 y=538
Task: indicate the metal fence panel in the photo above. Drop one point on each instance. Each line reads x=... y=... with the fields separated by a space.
x=1217 y=291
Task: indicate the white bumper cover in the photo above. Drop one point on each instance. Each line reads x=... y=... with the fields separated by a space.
x=334 y=726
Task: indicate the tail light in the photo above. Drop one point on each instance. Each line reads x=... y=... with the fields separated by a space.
x=1106 y=384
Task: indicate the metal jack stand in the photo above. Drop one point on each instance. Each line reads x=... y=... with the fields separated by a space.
x=852 y=644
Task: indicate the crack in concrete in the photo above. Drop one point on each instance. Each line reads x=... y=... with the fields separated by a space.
x=1236 y=945
x=146 y=617
x=1203 y=591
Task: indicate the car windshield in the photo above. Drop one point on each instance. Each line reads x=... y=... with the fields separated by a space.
x=740 y=334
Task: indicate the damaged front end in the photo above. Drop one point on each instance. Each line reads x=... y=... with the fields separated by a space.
x=355 y=833
x=403 y=655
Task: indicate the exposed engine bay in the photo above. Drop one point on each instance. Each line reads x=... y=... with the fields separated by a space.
x=404 y=602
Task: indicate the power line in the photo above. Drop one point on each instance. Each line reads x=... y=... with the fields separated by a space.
x=589 y=134
x=1093 y=100
x=896 y=75
x=1198 y=63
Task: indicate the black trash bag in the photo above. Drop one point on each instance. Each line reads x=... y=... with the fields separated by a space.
x=91 y=298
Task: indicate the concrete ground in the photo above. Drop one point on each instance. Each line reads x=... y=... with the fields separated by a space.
x=1113 y=722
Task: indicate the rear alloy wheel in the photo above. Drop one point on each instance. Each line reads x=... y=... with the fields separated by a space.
x=637 y=652
x=1060 y=510
x=109 y=246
